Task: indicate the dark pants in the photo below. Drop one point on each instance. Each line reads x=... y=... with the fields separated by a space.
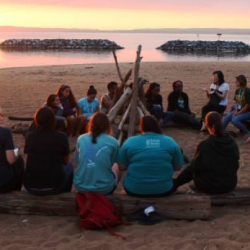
x=182 y=117
x=151 y=195
x=15 y=182
x=158 y=113
x=208 y=108
x=64 y=187
x=187 y=175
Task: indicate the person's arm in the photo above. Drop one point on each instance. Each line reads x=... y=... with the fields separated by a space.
x=10 y=156
x=9 y=148
x=223 y=95
x=79 y=111
x=66 y=151
x=171 y=102
x=244 y=109
x=186 y=104
x=178 y=160
x=123 y=158
x=106 y=101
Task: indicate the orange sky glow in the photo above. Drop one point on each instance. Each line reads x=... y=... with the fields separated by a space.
x=111 y=15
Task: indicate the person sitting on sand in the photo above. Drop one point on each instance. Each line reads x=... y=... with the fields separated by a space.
x=87 y=106
x=53 y=102
x=11 y=165
x=241 y=110
x=106 y=100
x=154 y=104
x=48 y=170
x=178 y=103
x=216 y=161
x=96 y=155
x=218 y=96
x=150 y=160
x=75 y=123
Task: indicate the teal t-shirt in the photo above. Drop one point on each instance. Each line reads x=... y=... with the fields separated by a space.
x=95 y=161
x=151 y=159
x=88 y=108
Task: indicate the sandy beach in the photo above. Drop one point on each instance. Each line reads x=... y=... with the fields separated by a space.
x=23 y=90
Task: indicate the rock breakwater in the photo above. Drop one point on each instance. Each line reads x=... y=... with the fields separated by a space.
x=59 y=44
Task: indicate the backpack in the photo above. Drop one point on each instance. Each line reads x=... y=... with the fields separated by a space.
x=97 y=212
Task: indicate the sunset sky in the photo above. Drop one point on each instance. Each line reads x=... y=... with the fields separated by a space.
x=126 y=14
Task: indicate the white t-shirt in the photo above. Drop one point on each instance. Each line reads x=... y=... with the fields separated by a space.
x=222 y=88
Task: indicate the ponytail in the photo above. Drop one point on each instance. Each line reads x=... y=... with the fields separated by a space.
x=98 y=124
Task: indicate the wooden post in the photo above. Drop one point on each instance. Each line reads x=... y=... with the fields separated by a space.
x=132 y=117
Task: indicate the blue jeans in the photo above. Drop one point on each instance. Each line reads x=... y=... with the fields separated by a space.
x=158 y=113
x=68 y=172
x=237 y=121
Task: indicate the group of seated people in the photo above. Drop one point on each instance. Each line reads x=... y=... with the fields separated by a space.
x=100 y=160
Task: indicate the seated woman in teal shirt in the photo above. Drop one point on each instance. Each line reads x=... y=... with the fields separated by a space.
x=150 y=160
x=96 y=155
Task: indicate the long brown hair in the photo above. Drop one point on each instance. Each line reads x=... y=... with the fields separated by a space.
x=45 y=119
x=98 y=124
x=149 y=124
x=213 y=119
x=71 y=98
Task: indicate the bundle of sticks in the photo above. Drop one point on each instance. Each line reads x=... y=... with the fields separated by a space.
x=129 y=101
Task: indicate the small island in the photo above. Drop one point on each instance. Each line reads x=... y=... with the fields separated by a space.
x=59 y=44
x=205 y=46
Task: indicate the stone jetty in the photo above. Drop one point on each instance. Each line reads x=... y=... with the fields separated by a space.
x=205 y=46
x=59 y=44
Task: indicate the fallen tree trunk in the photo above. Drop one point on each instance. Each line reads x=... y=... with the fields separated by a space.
x=240 y=196
x=177 y=206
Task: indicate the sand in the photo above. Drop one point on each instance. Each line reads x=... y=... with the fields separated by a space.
x=23 y=90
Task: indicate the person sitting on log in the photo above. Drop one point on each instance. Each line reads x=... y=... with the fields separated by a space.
x=96 y=155
x=218 y=97
x=11 y=164
x=75 y=123
x=216 y=161
x=150 y=160
x=241 y=110
x=178 y=103
x=48 y=170
x=154 y=104
x=87 y=106
x=106 y=100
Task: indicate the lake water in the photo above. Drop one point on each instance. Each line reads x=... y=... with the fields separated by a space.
x=130 y=41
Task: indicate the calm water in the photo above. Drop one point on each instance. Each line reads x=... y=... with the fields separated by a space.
x=128 y=40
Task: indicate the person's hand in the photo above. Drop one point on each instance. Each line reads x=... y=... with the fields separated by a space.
x=193 y=114
x=235 y=113
x=74 y=109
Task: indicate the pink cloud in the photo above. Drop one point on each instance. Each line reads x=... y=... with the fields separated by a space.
x=215 y=6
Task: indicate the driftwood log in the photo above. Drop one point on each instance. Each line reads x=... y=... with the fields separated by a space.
x=121 y=102
x=178 y=206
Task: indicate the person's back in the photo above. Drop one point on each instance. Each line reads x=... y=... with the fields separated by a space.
x=96 y=155
x=216 y=163
x=94 y=172
x=150 y=160
x=48 y=170
x=45 y=150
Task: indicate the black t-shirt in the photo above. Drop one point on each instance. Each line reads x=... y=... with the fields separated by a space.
x=45 y=150
x=6 y=143
x=242 y=97
x=151 y=101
